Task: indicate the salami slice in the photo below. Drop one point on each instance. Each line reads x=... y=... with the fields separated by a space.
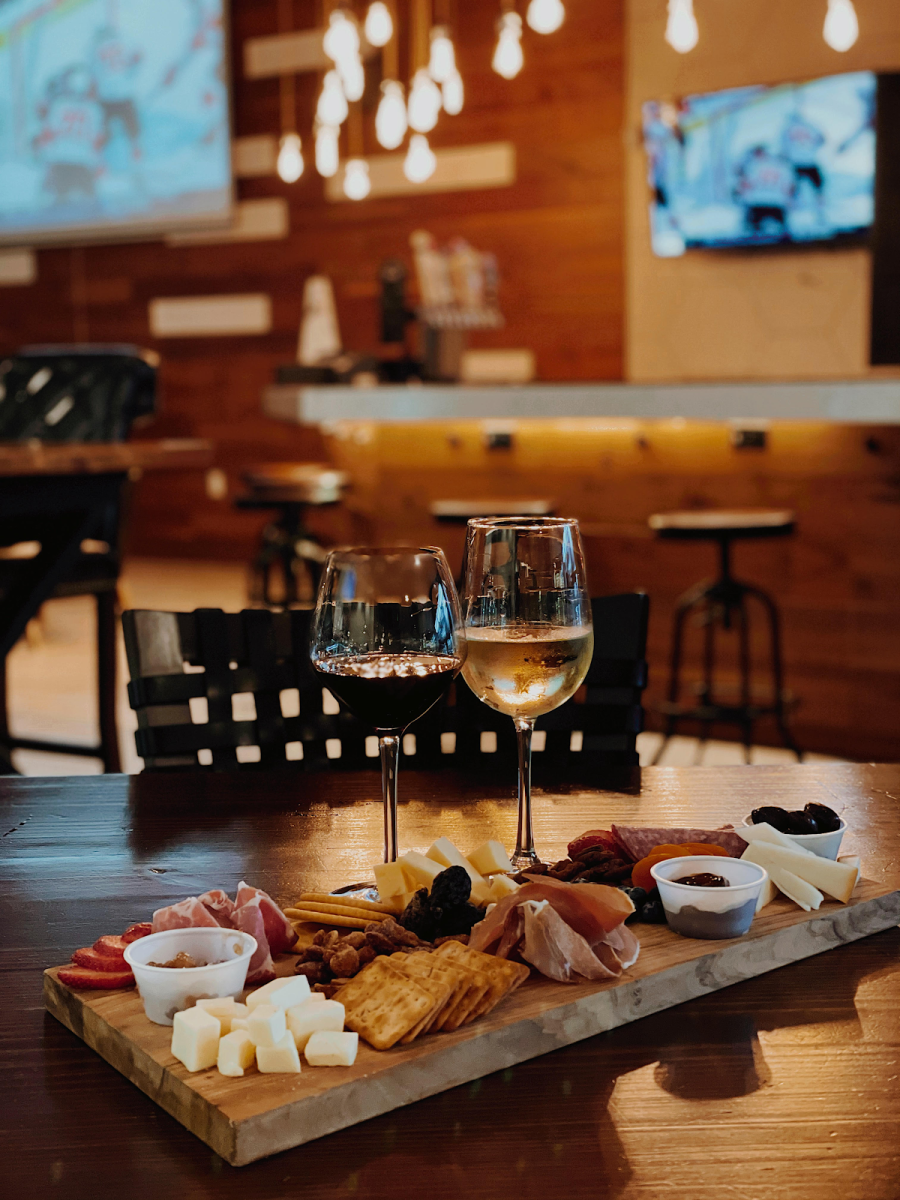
x=640 y=841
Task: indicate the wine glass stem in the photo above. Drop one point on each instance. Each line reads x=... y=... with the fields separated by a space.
x=390 y=755
x=525 y=852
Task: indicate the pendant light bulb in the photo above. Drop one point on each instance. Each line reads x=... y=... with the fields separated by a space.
x=327 y=153
x=508 y=58
x=341 y=41
x=353 y=78
x=379 y=26
x=331 y=108
x=357 y=184
x=841 y=25
x=290 y=158
x=420 y=162
x=390 y=119
x=442 y=62
x=545 y=16
x=424 y=102
x=453 y=93
x=682 y=33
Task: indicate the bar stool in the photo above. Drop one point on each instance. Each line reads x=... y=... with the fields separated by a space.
x=722 y=602
x=288 y=547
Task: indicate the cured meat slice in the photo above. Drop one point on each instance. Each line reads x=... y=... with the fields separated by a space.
x=591 y=909
x=639 y=841
x=220 y=905
x=249 y=919
x=604 y=838
x=186 y=914
x=280 y=933
x=557 y=951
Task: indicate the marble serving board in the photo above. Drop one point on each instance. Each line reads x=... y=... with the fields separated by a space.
x=258 y=1115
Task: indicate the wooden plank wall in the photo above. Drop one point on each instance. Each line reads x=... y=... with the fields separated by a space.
x=837 y=581
x=558 y=235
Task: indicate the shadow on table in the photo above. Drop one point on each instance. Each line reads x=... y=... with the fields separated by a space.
x=537 y=1130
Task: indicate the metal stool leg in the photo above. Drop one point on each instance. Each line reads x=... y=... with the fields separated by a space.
x=684 y=606
x=106 y=681
x=777 y=669
x=744 y=633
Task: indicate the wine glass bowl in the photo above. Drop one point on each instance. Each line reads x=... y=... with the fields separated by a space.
x=528 y=626
x=388 y=641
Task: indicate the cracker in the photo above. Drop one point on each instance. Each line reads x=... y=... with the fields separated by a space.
x=504 y=976
x=382 y=1004
x=439 y=989
x=349 y=901
x=456 y=977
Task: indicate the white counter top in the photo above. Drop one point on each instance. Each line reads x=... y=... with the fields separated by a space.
x=865 y=401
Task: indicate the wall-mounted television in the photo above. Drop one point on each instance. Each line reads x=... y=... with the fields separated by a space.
x=114 y=118
x=762 y=166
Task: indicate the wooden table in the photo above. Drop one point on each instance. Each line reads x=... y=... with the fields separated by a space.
x=781 y=1088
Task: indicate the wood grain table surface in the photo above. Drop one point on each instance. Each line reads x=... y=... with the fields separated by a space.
x=102 y=458
x=786 y=1087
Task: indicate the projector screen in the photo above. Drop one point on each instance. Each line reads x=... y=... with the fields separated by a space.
x=761 y=166
x=114 y=118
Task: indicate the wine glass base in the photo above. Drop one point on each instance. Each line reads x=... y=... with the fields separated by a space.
x=523 y=859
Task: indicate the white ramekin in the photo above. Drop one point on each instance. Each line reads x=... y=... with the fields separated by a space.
x=825 y=845
x=709 y=905
x=168 y=990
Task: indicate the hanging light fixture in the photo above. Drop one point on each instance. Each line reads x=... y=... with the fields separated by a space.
x=341 y=40
x=390 y=119
x=379 y=26
x=424 y=102
x=353 y=78
x=420 y=161
x=327 y=152
x=682 y=33
x=331 y=108
x=442 y=60
x=508 y=58
x=841 y=29
x=357 y=183
x=290 y=158
x=453 y=94
x=545 y=16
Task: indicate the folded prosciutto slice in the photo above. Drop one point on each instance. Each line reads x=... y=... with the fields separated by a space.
x=249 y=919
x=280 y=933
x=220 y=905
x=186 y=914
x=569 y=931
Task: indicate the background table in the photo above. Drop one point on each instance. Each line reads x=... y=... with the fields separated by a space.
x=781 y=1088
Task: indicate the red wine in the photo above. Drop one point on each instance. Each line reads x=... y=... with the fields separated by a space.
x=388 y=691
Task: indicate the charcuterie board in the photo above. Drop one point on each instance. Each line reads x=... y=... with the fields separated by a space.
x=250 y=1118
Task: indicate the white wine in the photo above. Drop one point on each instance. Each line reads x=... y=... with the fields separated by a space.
x=527 y=670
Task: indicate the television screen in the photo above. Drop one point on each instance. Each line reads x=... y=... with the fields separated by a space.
x=758 y=166
x=114 y=118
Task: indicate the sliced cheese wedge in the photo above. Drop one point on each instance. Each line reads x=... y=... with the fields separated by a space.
x=851 y=860
x=767 y=893
x=768 y=833
x=834 y=878
x=785 y=881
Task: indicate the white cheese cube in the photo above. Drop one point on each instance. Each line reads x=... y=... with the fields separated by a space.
x=195 y=1038
x=266 y=1025
x=391 y=879
x=282 y=1057
x=422 y=871
x=501 y=886
x=282 y=993
x=238 y=1023
x=304 y=1020
x=236 y=1053
x=331 y=1049
x=490 y=858
x=226 y=1009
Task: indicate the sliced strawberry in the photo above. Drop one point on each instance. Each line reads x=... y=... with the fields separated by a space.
x=110 y=945
x=83 y=977
x=133 y=932
x=88 y=957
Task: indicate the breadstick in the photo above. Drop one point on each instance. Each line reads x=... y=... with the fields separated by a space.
x=347 y=901
x=318 y=918
x=336 y=910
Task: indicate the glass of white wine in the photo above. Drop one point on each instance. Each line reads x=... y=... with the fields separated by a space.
x=530 y=639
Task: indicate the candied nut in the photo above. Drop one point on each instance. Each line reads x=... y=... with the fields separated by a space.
x=398 y=935
x=315 y=972
x=332 y=937
x=339 y=983
x=344 y=962
x=318 y=937
x=378 y=942
x=356 y=939
x=310 y=954
x=365 y=954
x=328 y=990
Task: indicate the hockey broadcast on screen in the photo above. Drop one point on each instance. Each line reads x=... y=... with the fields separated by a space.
x=113 y=115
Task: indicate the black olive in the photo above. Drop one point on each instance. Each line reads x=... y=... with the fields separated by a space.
x=651 y=911
x=826 y=818
x=801 y=822
x=776 y=817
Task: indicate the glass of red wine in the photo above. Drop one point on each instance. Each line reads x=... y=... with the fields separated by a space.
x=388 y=641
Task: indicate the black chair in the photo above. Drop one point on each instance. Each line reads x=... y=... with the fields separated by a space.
x=75 y=394
x=191 y=672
